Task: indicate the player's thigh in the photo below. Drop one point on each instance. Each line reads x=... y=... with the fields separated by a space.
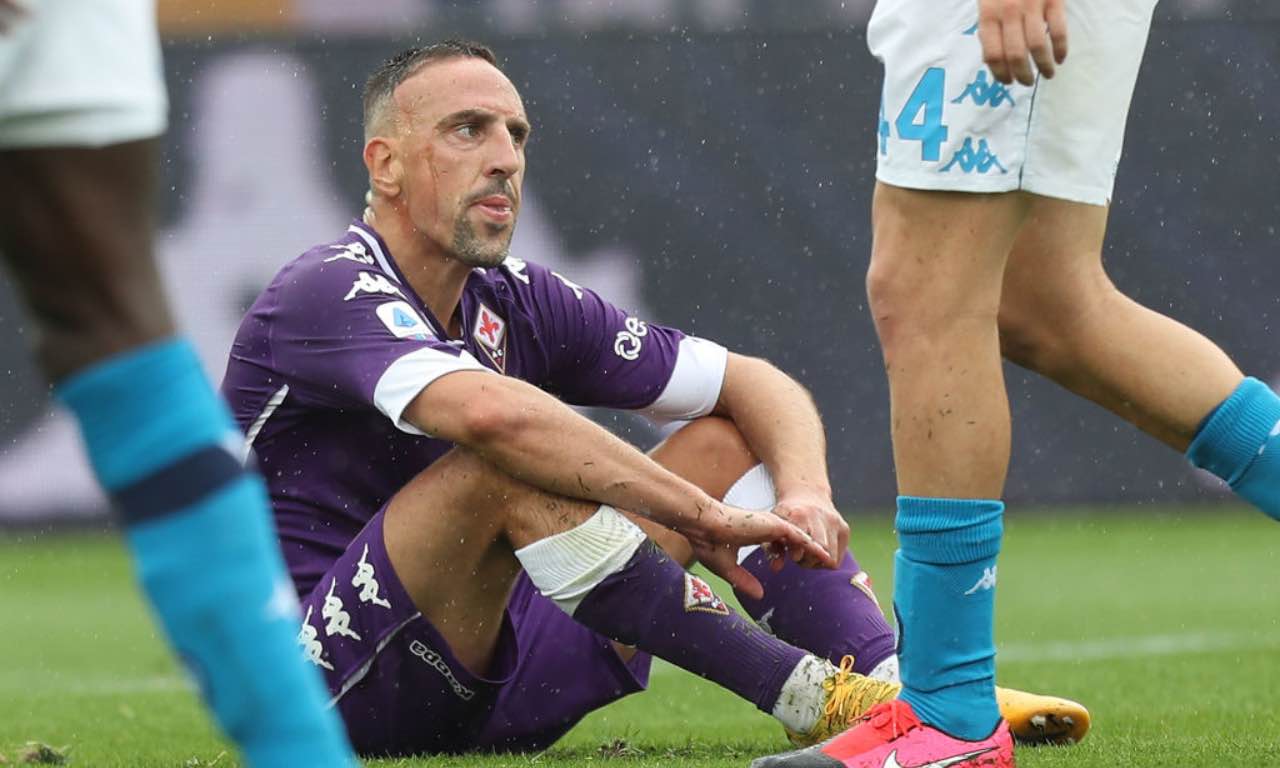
x=444 y=537
x=1055 y=268
x=76 y=231
x=565 y=672
x=946 y=124
x=81 y=100
x=394 y=677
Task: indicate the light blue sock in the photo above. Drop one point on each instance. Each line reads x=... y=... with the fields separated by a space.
x=160 y=441
x=1240 y=443
x=944 y=601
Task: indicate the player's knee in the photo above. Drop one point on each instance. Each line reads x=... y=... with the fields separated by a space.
x=1023 y=339
x=718 y=442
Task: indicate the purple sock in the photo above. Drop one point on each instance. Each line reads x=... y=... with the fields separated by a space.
x=656 y=605
x=826 y=612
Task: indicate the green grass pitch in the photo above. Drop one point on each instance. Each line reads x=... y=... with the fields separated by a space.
x=1166 y=624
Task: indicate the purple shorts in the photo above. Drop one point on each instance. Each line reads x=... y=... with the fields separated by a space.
x=401 y=691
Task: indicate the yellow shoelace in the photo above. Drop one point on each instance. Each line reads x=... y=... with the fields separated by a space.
x=850 y=695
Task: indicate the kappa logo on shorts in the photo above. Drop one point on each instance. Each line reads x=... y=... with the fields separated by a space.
x=863 y=582
x=312 y=650
x=436 y=662
x=339 y=621
x=970 y=161
x=985 y=92
x=490 y=332
x=367 y=581
x=403 y=321
x=699 y=597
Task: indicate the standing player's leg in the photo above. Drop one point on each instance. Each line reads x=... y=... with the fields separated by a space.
x=75 y=226
x=81 y=98
x=934 y=291
x=1061 y=316
x=832 y=613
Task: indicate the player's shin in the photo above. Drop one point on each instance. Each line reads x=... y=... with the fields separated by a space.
x=160 y=442
x=610 y=577
x=944 y=600
x=830 y=613
x=1240 y=443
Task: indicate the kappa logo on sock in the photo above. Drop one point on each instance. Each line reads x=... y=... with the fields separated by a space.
x=863 y=582
x=367 y=581
x=339 y=621
x=699 y=597
x=986 y=583
x=312 y=650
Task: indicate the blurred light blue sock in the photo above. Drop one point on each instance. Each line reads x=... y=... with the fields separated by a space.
x=944 y=601
x=1240 y=443
x=161 y=443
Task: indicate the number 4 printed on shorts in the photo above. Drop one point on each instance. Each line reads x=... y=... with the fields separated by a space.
x=928 y=98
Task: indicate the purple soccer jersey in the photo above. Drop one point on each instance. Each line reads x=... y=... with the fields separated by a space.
x=336 y=347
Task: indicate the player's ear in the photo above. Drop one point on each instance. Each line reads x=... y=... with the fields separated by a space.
x=384 y=167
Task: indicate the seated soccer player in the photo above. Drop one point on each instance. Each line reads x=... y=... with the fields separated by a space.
x=479 y=565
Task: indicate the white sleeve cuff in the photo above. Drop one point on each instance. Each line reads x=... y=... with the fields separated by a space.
x=409 y=375
x=694 y=386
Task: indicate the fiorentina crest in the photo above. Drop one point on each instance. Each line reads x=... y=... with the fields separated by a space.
x=490 y=332
x=699 y=597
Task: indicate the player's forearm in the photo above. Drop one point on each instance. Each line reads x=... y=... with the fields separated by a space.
x=532 y=436
x=780 y=423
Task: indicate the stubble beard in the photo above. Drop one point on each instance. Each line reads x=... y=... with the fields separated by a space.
x=475 y=251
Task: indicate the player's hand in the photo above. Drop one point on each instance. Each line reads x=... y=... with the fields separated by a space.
x=722 y=530
x=1011 y=29
x=813 y=513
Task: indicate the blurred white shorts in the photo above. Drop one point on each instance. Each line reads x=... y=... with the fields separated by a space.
x=81 y=73
x=946 y=124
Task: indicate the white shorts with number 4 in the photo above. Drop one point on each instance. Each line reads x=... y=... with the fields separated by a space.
x=946 y=124
x=81 y=73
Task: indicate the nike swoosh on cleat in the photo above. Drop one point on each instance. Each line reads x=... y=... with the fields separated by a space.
x=892 y=760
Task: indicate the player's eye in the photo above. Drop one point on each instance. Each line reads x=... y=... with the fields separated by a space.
x=468 y=130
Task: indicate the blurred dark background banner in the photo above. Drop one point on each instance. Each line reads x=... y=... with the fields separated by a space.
x=715 y=180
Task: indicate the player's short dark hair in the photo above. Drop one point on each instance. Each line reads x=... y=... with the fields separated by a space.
x=395 y=70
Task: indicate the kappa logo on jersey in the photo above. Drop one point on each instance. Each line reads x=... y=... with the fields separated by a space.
x=577 y=289
x=627 y=343
x=969 y=160
x=356 y=252
x=971 y=30
x=312 y=651
x=490 y=333
x=863 y=582
x=370 y=283
x=403 y=322
x=367 y=581
x=699 y=597
x=517 y=268
x=436 y=662
x=339 y=621
x=986 y=582
x=985 y=92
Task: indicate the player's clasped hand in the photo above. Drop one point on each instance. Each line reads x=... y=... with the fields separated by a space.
x=813 y=513
x=724 y=529
x=1010 y=30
